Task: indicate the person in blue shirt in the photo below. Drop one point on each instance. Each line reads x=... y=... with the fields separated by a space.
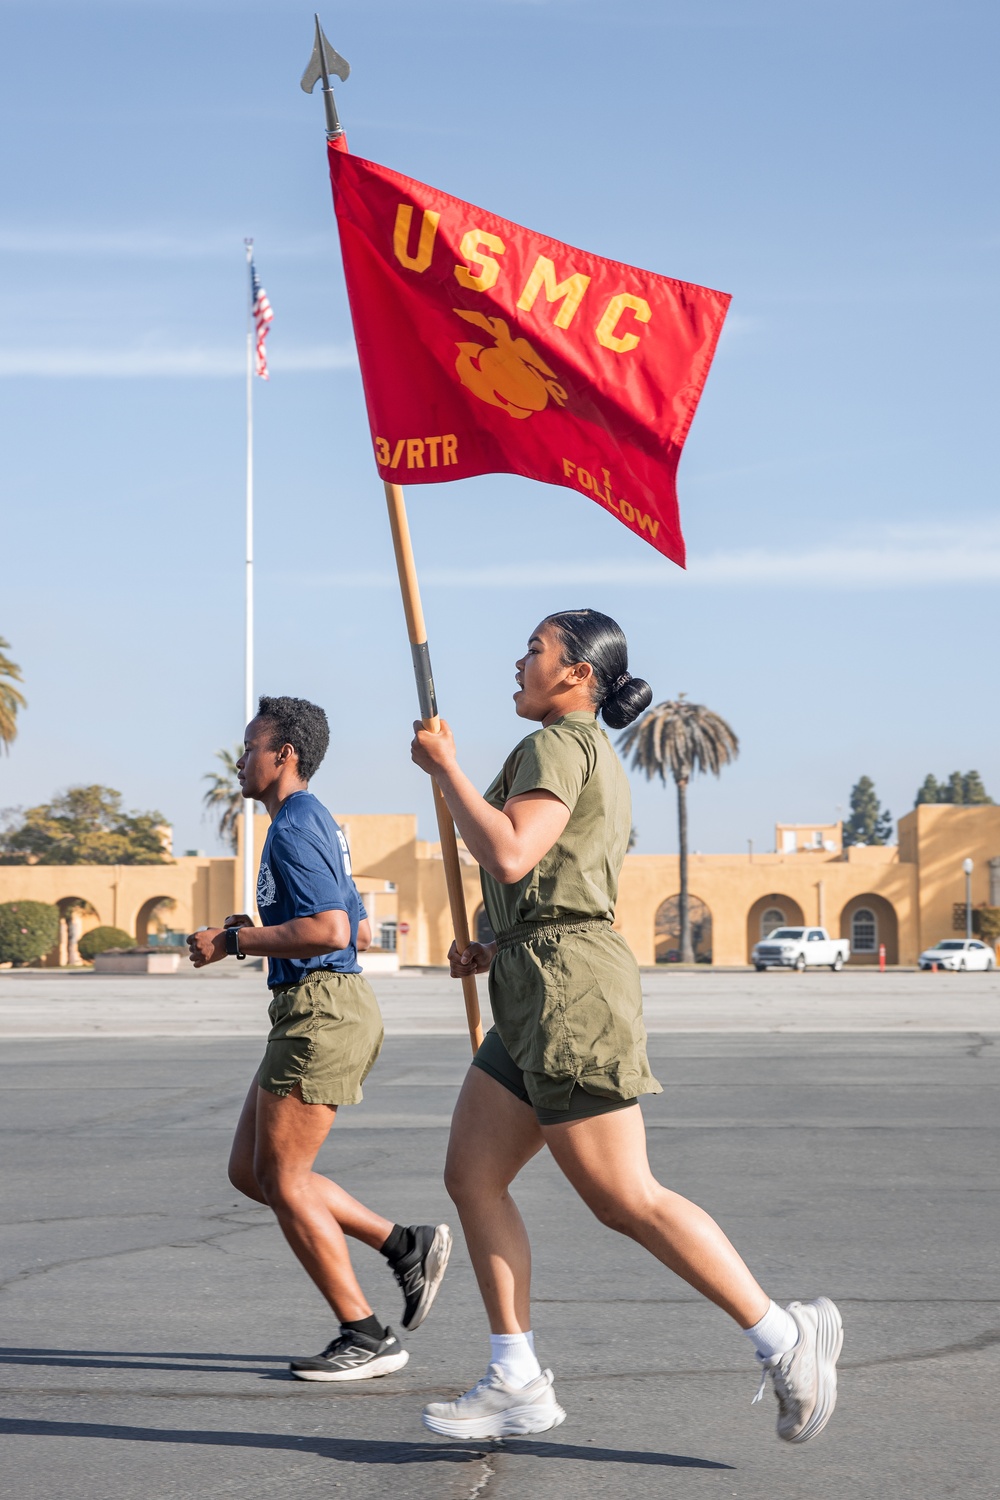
x=326 y=1033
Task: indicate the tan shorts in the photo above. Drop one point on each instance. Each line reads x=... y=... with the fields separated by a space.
x=326 y=1032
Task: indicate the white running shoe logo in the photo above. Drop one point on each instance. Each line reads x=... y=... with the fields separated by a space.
x=353 y=1356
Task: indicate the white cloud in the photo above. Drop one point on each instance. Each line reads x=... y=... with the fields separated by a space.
x=192 y=363
x=918 y=557
x=739 y=325
x=893 y=561
x=151 y=244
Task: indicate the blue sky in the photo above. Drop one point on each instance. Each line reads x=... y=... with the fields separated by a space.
x=830 y=166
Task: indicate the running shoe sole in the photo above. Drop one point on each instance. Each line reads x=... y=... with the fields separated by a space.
x=829 y=1342
x=435 y=1265
x=384 y=1364
x=516 y=1421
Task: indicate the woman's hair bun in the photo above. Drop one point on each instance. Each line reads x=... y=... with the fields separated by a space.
x=589 y=636
x=626 y=701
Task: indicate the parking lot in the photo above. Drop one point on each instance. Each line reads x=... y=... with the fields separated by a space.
x=231 y=1000
x=842 y=1128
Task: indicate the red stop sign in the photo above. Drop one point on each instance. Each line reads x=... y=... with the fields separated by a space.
x=403 y=927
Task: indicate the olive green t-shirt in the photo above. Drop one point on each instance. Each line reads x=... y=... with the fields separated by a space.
x=578 y=878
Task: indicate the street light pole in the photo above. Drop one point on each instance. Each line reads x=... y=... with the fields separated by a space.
x=967 y=867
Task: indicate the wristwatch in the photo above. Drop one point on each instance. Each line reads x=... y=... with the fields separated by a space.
x=233 y=949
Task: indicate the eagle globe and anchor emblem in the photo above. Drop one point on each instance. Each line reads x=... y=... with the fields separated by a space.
x=266 y=891
x=509 y=373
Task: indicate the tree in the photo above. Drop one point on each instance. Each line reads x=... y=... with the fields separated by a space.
x=85 y=825
x=11 y=700
x=28 y=930
x=973 y=791
x=929 y=790
x=868 y=823
x=954 y=792
x=680 y=738
x=986 y=922
x=225 y=795
x=960 y=790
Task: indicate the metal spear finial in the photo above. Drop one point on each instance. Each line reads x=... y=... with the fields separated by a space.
x=323 y=62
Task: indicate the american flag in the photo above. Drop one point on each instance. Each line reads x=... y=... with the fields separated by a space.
x=262 y=315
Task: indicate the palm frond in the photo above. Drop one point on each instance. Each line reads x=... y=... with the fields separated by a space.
x=680 y=739
x=11 y=700
x=225 y=795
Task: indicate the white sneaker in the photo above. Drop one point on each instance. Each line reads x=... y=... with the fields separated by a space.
x=805 y=1379
x=494 y=1409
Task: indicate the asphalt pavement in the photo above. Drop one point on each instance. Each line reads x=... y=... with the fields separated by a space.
x=149 y=1312
x=230 y=999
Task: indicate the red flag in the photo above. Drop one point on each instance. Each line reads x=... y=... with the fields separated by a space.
x=488 y=348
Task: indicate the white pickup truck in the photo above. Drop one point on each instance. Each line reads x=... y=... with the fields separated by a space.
x=801 y=948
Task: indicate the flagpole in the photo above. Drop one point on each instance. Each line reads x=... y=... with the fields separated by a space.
x=248 y=705
x=323 y=62
x=413 y=609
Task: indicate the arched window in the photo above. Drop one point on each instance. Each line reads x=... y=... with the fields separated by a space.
x=770 y=919
x=864 y=931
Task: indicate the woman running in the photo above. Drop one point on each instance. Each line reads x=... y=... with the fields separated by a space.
x=326 y=1033
x=565 y=1063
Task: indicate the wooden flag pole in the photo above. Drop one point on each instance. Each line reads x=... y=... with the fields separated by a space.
x=323 y=62
x=410 y=590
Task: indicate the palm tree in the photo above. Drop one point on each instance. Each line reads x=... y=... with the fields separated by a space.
x=10 y=698
x=682 y=738
x=225 y=795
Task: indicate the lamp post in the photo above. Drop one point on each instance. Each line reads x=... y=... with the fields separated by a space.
x=967 y=867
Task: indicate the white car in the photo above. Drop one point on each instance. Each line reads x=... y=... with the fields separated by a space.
x=958 y=953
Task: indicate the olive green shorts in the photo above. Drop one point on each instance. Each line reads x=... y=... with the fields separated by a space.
x=567 y=1002
x=326 y=1032
x=495 y=1060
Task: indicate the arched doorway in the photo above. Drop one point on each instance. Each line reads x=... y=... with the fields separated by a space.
x=153 y=925
x=76 y=916
x=668 y=930
x=481 y=929
x=769 y=912
x=869 y=921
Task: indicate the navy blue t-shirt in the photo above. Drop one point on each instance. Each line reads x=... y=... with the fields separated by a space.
x=305 y=868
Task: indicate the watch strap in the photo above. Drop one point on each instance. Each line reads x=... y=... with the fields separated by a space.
x=233 y=949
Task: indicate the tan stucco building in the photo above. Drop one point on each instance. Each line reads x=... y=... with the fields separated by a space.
x=903 y=896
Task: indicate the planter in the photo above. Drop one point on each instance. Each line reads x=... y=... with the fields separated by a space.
x=137 y=961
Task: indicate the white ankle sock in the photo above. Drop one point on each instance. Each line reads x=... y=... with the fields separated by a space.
x=776 y=1333
x=515 y=1354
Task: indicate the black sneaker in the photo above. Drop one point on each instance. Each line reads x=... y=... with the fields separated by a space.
x=420 y=1269
x=353 y=1356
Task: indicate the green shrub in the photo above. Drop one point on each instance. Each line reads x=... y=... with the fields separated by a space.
x=986 y=923
x=100 y=939
x=28 y=930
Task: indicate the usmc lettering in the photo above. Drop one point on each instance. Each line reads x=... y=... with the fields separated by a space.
x=417 y=452
x=569 y=292
x=481 y=269
x=425 y=243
